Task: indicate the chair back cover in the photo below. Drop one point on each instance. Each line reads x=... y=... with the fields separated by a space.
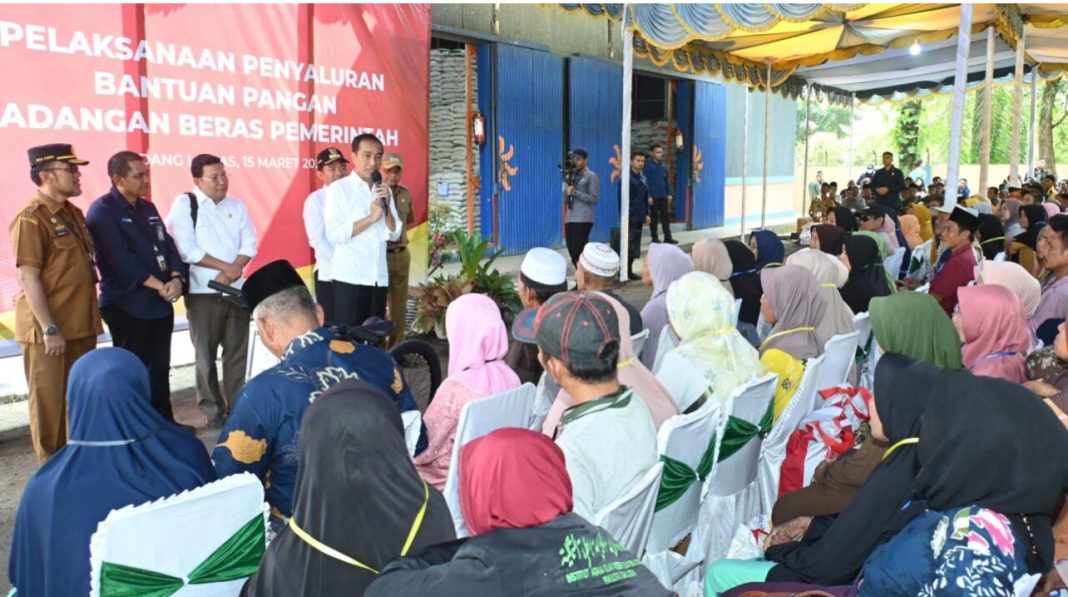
x=638 y=340
x=839 y=356
x=629 y=518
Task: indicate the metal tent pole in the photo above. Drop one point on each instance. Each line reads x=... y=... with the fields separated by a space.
x=960 y=87
x=624 y=195
x=808 y=133
x=745 y=160
x=852 y=124
x=988 y=100
x=1017 y=106
x=767 y=148
x=1031 y=131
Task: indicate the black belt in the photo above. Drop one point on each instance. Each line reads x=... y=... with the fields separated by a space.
x=396 y=249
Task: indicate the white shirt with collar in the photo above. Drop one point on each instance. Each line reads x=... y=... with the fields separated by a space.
x=360 y=259
x=315 y=227
x=223 y=230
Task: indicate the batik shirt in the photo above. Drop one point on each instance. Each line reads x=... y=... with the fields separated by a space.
x=260 y=435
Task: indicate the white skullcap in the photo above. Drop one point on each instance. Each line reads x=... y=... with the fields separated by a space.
x=544 y=266
x=600 y=260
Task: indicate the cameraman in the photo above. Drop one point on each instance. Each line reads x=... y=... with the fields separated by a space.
x=580 y=196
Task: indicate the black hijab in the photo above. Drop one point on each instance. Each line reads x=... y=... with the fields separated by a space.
x=844 y=218
x=832 y=238
x=1036 y=219
x=357 y=492
x=867 y=279
x=991 y=443
x=745 y=280
x=991 y=235
x=834 y=554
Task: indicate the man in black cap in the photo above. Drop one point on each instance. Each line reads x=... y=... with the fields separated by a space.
x=141 y=272
x=956 y=266
x=330 y=165
x=260 y=435
x=56 y=314
x=579 y=199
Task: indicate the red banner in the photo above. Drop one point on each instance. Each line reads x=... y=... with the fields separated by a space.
x=265 y=87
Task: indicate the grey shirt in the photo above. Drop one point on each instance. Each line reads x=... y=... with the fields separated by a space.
x=587 y=193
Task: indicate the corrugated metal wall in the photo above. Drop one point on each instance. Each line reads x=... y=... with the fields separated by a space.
x=595 y=100
x=710 y=129
x=783 y=129
x=525 y=144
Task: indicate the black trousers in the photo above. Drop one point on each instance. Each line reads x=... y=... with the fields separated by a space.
x=150 y=340
x=577 y=234
x=634 y=242
x=659 y=211
x=324 y=295
x=354 y=304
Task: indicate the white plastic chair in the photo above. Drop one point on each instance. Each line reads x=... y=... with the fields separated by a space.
x=1000 y=256
x=893 y=262
x=186 y=529
x=259 y=358
x=478 y=418
x=684 y=438
x=737 y=311
x=839 y=355
x=924 y=289
x=866 y=344
x=773 y=450
x=731 y=496
x=668 y=340
x=544 y=396
x=629 y=518
x=638 y=340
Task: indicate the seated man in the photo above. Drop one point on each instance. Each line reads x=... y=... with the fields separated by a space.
x=260 y=436
x=542 y=274
x=608 y=436
x=598 y=271
x=955 y=267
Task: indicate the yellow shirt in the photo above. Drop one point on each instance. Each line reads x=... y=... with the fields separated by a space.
x=789 y=370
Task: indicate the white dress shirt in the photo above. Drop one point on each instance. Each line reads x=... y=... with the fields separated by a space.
x=223 y=231
x=315 y=227
x=360 y=259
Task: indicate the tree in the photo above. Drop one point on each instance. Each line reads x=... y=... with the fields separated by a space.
x=1048 y=121
x=907 y=134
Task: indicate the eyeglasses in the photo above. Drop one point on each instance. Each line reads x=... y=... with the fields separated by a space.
x=71 y=168
x=216 y=178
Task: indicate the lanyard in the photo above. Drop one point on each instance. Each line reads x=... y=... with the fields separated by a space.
x=996 y=355
x=337 y=555
x=906 y=441
x=806 y=328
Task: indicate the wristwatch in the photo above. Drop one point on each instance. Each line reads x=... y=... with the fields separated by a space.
x=51 y=330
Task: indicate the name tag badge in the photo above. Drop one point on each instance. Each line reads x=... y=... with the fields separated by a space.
x=61 y=232
x=159 y=232
x=127 y=221
x=162 y=262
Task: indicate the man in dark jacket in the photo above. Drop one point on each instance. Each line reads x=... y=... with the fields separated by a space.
x=638 y=213
x=659 y=194
x=887 y=184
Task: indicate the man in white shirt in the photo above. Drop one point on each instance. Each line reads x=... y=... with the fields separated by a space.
x=608 y=436
x=217 y=238
x=331 y=166
x=360 y=218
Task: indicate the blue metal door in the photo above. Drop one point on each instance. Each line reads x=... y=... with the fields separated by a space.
x=521 y=92
x=709 y=164
x=683 y=159
x=595 y=101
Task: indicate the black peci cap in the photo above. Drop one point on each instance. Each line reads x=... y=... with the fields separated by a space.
x=272 y=278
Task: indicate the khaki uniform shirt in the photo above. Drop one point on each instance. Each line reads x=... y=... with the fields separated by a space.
x=57 y=242
x=403 y=201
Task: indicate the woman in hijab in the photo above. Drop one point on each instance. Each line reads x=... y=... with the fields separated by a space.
x=1048 y=370
x=795 y=306
x=1015 y=278
x=910 y=227
x=631 y=373
x=911 y=324
x=993 y=327
x=923 y=217
x=745 y=281
x=867 y=278
x=1024 y=245
x=991 y=235
x=828 y=238
x=842 y=217
x=989 y=495
x=478 y=342
x=828 y=550
x=712 y=358
x=767 y=248
x=359 y=502
x=831 y=274
x=1051 y=208
x=890 y=234
x=1009 y=213
x=667 y=263
x=121 y=452
x=515 y=494
x=710 y=256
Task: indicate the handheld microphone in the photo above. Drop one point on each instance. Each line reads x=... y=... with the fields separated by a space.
x=376 y=181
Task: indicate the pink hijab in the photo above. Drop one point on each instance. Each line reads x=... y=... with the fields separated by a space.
x=1014 y=277
x=996 y=338
x=890 y=232
x=478 y=342
x=910 y=227
x=1052 y=209
x=631 y=373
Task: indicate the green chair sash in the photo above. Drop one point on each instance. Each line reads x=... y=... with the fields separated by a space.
x=237 y=558
x=678 y=477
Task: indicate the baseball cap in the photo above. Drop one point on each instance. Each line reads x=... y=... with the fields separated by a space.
x=329 y=156
x=391 y=160
x=577 y=327
x=523 y=326
x=544 y=266
x=872 y=212
x=54 y=152
x=600 y=260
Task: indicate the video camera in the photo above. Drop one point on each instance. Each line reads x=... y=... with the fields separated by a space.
x=570 y=174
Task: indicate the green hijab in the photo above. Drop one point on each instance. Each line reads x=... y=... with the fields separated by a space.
x=884 y=254
x=913 y=324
